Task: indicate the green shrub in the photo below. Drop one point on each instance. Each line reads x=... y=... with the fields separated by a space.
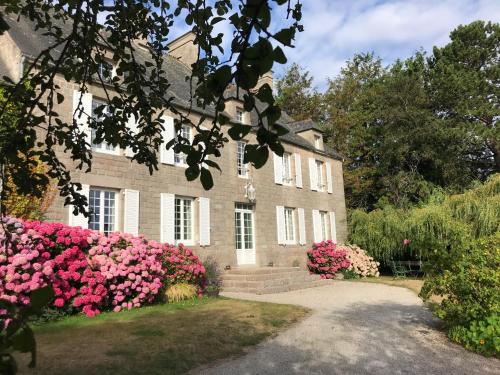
x=440 y=224
x=482 y=336
x=469 y=282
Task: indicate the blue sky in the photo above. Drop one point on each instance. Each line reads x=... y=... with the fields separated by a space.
x=336 y=29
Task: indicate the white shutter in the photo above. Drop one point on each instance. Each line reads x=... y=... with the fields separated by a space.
x=298 y=171
x=302 y=227
x=313 y=174
x=329 y=182
x=132 y=125
x=131 y=212
x=278 y=169
x=167 y=223
x=79 y=220
x=167 y=156
x=316 y=226
x=204 y=204
x=333 y=227
x=82 y=102
x=280 y=224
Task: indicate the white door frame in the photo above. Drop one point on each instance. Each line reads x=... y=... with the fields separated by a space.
x=245 y=256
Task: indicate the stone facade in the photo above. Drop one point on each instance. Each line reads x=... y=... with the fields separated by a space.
x=117 y=172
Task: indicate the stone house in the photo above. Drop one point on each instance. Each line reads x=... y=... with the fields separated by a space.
x=299 y=198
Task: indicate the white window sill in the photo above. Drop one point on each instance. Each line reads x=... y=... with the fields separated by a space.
x=289 y=243
x=244 y=177
x=185 y=243
x=108 y=152
x=181 y=165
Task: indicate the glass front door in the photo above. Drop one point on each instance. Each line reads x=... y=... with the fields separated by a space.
x=244 y=233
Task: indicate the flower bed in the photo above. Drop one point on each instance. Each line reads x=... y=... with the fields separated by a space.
x=327 y=260
x=89 y=272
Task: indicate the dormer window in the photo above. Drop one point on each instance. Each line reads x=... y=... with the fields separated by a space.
x=105 y=71
x=318 y=142
x=239 y=115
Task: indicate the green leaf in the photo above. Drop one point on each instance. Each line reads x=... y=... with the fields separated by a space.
x=192 y=172
x=285 y=36
x=206 y=179
x=213 y=164
x=279 y=56
x=239 y=131
x=60 y=98
x=257 y=155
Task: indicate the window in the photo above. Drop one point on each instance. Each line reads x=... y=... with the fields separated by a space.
x=184 y=220
x=289 y=225
x=324 y=225
x=287 y=168
x=317 y=142
x=180 y=158
x=98 y=117
x=240 y=153
x=239 y=115
x=319 y=173
x=105 y=71
x=102 y=205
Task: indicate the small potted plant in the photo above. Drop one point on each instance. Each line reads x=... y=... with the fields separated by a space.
x=213 y=276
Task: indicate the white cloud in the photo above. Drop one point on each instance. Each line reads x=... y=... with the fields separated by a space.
x=335 y=30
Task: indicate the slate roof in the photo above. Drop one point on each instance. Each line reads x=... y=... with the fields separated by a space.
x=31 y=43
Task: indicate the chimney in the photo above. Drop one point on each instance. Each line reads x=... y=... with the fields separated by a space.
x=183 y=49
x=263 y=79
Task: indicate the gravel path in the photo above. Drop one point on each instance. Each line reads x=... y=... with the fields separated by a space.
x=356 y=328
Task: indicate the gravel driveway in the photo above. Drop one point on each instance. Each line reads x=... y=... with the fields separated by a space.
x=356 y=328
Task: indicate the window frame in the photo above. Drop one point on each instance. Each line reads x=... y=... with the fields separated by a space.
x=180 y=157
x=102 y=215
x=238 y=118
x=320 y=182
x=317 y=142
x=286 y=169
x=180 y=225
x=289 y=226
x=240 y=155
x=323 y=222
x=103 y=147
x=242 y=209
x=108 y=80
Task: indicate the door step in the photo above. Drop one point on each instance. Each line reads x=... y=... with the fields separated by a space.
x=267 y=280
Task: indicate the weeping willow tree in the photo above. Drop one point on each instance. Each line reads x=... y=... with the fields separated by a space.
x=444 y=222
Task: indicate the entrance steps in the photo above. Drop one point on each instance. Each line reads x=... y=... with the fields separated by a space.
x=267 y=280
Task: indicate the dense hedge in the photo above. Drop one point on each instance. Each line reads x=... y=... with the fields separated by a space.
x=89 y=272
x=443 y=222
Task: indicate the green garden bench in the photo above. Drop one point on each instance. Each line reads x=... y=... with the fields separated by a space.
x=404 y=268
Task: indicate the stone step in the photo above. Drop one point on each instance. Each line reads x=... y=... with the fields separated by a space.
x=268 y=280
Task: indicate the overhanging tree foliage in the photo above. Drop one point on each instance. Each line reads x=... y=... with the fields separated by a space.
x=81 y=43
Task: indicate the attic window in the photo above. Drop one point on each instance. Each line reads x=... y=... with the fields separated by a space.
x=105 y=71
x=318 y=144
x=239 y=115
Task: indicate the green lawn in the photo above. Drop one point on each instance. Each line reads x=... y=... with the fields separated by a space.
x=163 y=339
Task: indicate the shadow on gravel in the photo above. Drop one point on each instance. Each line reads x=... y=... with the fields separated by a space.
x=376 y=338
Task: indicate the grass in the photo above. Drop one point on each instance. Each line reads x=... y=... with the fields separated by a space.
x=162 y=339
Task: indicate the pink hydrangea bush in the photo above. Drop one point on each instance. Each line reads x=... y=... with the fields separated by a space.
x=68 y=247
x=181 y=265
x=362 y=265
x=25 y=265
x=131 y=266
x=89 y=272
x=327 y=260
